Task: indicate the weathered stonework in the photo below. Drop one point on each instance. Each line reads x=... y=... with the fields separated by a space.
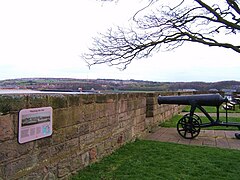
x=85 y=129
x=6 y=128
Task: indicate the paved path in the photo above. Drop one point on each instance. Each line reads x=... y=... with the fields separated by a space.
x=213 y=138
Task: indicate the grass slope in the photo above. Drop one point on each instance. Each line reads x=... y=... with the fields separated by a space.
x=157 y=160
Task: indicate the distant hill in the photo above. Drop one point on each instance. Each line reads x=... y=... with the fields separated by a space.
x=204 y=86
x=116 y=84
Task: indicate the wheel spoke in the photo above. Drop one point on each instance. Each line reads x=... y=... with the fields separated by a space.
x=185 y=133
x=191 y=134
x=194 y=129
x=182 y=123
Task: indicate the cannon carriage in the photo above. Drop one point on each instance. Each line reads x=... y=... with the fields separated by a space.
x=189 y=125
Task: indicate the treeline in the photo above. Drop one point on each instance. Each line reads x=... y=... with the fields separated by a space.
x=116 y=84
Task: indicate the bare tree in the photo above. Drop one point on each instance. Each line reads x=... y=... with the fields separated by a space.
x=160 y=26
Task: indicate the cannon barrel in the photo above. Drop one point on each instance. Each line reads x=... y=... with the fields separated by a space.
x=201 y=99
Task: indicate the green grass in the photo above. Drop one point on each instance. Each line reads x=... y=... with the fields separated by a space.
x=211 y=109
x=173 y=122
x=151 y=160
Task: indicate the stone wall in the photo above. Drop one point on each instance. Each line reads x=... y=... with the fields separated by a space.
x=85 y=129
x=156 y=113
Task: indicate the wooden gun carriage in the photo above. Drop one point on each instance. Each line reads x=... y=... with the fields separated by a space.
x=189 y=125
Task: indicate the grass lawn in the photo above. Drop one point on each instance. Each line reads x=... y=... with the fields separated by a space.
x=211 y=109
x=153 y=160
x=173 y=122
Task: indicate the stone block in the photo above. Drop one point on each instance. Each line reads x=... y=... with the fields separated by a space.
x=63 y=168
x=149 y=114
x=142 y=102
x=75 y=115
x=120 y=139
x=111 y=108
x=102 y=98
x=107 y=144
x=131 y=105
x=150 y=100
x=57 y=149
x=150 y=107
x=101 y=149
x=60 y=118
x=89 y=112
x=138 y=112
x=2 y=174
x=88 y=98
x=143 y=111
x=73 y=100
x=11 y=150
x=88 y=117
x=102 y=134
x=150 y=95
x=19 y=167
x=42 y=154
x=86 y=139
x=49 y=176
x=128 y=136
x=58 y=101
x=100 y=110
x=58 y=136
x=122 y=96
x=72 y=145
x=123 y=116
x=43 y=143
x=71 y=132
x=93 y=155
x=39 y=100
x=100 y=123
x=14 y=117
x=139 y=119
x=83 y=128
x=85 y=159
x=75 y=163
x=113 y=121
x=112 y=98
x=6 y=128
x=149 y=122
x=10 y=103
x=122 y=106
x=139 y=128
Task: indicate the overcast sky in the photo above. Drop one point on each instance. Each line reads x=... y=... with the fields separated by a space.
x=46 y=38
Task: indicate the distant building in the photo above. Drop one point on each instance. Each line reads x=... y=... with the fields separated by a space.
x=213 y=90
x=230 y=91
x=187 y=90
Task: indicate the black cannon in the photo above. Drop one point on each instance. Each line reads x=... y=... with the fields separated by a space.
x=189 y=125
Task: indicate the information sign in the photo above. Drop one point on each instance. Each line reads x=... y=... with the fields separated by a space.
x=34 y=124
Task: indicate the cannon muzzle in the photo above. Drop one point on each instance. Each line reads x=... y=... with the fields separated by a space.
x=201 y=99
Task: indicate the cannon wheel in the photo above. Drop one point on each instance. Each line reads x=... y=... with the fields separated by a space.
x=195 y=116
x=188 y=127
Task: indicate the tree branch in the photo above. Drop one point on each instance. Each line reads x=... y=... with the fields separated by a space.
x=166 y=28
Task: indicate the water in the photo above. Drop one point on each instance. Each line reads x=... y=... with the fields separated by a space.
x=28 y=91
